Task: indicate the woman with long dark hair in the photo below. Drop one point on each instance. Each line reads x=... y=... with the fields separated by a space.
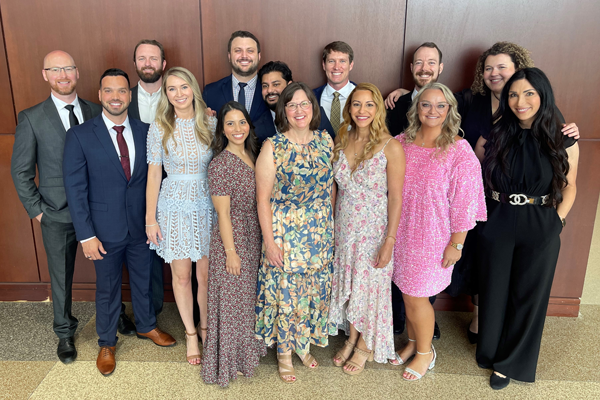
x=530 y=170
x=231 y=347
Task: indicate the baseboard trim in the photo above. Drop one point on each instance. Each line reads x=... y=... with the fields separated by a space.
x=558 y=306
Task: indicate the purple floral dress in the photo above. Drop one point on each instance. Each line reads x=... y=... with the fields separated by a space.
x=361 y=294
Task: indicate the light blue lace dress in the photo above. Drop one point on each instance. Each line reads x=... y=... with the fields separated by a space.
x=185 y=211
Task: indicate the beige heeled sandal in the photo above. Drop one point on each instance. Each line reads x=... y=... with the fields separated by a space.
x=340 y=354
x=285 y=370
x=195 y=356
x=368 y=356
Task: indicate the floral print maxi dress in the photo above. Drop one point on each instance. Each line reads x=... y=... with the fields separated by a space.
x=293 y=302
x=361 y=294
x=231 y=345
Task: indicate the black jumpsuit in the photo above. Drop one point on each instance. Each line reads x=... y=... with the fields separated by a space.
x=518 y=251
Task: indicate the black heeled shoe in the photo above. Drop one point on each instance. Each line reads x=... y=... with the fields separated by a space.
x=497 y=382
x=472 y=336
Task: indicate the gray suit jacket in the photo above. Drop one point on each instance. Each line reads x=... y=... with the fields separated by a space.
x=40 y=140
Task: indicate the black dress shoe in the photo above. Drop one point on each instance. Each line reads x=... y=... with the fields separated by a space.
x=436 y=332
x=472 y=336
x=66 y=351
x=497 y=382
x=126 y=326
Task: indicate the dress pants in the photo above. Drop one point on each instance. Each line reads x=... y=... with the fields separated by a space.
x=109 y=275
x=519 y=248
x=398 y=310
x=158 y=289
x=60 y=244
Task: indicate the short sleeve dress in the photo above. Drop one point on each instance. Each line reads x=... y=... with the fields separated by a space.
x=231 y=345
x=293 y=302
x=443 y=194
x=185 y=211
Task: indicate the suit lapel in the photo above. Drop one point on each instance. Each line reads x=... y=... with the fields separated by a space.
x=258 y=104
x=227 y=90
x=55 y=121
x=139 y=141
x=104 y=137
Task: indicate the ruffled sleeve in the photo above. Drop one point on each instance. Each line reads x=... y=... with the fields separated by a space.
x=219 y=175
x=465 y=194
x=154 y=148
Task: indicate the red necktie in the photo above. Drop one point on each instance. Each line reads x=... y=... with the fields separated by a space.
x=124 y=150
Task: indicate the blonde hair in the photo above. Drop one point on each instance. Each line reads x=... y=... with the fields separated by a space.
x=377 y=129
x=520 y=56
x=165 y=113
x=450 y=126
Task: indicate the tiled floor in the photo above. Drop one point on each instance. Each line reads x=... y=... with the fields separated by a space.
x=568 y=365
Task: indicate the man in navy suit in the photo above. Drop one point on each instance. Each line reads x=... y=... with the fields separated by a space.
x=105 y=175
x=274 y=76
x=243 y=51
x=338 y=61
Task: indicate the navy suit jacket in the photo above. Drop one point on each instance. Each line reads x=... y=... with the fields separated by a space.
x=325 y=123
x=101 y=200
x=219 y=93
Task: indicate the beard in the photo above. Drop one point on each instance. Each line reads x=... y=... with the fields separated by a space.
x=149 y=77
x=111 y=111
x=251 y=69
x=64 y=91
x=419 y=82
x=272 y=106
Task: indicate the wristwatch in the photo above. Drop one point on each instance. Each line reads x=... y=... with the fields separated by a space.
x=457 y=246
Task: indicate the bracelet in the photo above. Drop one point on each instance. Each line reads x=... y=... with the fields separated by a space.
x=152 y=224
x=391 y=237
x=232 y=249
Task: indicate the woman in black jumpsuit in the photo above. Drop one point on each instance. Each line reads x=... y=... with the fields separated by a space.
x=519 y=245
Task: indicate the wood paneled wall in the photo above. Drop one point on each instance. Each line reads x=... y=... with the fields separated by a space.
x=562 y=36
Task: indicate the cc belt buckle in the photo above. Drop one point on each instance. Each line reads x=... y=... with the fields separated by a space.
x=518 y=199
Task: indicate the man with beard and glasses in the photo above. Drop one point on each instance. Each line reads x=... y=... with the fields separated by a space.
x=105 y=174
x=426 y=67
x=243 y=52
x=39 y=143
x=274 y=76
x=149 y=61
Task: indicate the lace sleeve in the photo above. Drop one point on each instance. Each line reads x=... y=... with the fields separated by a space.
x=212 y=125
x=155 y=152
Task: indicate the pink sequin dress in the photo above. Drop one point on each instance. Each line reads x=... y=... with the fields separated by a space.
x=360 y=293
x=443 y=194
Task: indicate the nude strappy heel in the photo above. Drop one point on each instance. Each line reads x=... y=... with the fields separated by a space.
x=195 y=356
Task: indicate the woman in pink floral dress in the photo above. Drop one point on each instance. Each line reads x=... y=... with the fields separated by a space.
x=442 y=199
x=369 y=171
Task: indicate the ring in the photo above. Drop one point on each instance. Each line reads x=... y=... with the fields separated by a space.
x=88 y=256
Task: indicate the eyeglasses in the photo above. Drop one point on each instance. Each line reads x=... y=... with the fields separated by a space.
x=439 y=107
x=56 y=70
x=294 y=106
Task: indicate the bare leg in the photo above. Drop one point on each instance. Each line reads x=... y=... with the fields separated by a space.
x=346 y=351
x=202 y=276
x=410 y=348
x=182 y=289
x=475 y=321
x=421 y=318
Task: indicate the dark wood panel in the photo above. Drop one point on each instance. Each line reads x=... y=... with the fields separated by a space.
x=7 y=108
x=17 y=250
x=99 y=35
x=296 y=33
x=562 y=36
x=576 y=237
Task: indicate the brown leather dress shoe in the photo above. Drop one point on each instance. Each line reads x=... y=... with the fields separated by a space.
x=106 y=362
x=159 y=337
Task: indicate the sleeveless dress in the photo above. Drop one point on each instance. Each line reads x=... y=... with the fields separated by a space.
x=361 y=294
x=230 y=342
x=293 y=302
x=185 y=211
x=443 y=194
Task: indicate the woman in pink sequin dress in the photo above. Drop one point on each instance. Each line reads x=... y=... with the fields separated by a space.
x=369 y=171
x=442 y=200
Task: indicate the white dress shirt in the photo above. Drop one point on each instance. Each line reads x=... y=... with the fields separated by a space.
x=147 y=103
x=327 y=98
x=414 y=94
x=63 y=113
x=128 y=135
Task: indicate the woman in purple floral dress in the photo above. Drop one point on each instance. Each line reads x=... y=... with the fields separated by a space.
x=369 y=171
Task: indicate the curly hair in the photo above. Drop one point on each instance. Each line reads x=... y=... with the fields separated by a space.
x=520 y=56
x=450 y=126
x=377 y=129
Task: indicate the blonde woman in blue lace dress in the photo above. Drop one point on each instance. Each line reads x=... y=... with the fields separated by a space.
x=180 y=217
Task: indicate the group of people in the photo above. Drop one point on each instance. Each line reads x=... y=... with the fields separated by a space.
x=303 y=211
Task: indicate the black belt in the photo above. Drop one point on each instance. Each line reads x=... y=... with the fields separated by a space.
x=518 y=199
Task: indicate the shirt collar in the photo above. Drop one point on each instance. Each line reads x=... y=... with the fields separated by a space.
x=345 y=91
x=61 y=104
x=109 y=124
x=144 y=92
x=414 y=94
x=251 y=83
